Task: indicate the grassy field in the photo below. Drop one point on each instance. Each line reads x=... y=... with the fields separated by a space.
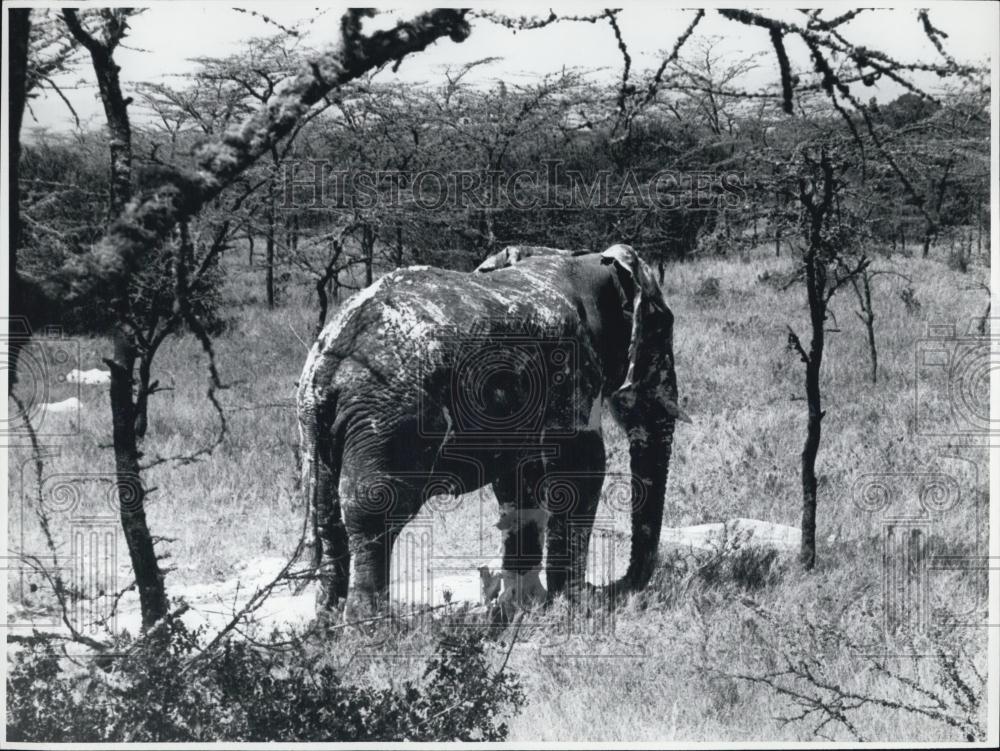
x=718 y=646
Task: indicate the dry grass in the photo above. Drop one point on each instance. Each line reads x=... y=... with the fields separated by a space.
x=695 y=633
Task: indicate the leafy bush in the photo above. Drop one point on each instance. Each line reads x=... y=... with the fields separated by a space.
x=909 y=298
x=166 y=688
x=709 y=288
x=827 y=671
x=958 y=261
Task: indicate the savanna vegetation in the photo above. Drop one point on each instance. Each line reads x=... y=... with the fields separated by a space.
x=812 y=244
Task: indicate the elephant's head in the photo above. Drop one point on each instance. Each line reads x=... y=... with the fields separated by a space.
x=645 y=404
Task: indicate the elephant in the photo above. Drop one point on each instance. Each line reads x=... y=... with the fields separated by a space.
x=433 y=382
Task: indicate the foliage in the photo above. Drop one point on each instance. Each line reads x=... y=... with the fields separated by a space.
x=931 y=675
x=164 y=688
x=65 y=203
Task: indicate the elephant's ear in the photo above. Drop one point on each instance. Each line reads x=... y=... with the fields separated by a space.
x=647 y=305
x=501 y=260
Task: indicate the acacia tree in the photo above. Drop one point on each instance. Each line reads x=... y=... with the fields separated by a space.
x=219 y=94
x=101 y=42
x=826 y=265
x=254 y=73
x=175 y=194
x=171 y=197
x=39 y=50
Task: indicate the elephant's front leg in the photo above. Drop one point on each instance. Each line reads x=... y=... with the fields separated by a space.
x=522 y=525
x=572 y=490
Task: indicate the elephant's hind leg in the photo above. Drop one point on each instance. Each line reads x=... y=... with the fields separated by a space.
x=332 y=555
x=572 y=491
x=375 y=512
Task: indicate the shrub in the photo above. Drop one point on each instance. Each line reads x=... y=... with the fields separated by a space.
x=709 y=288
x=909 y=298
x=165 y=688
x=779 y=280
x=827 y=671
x=958 y=261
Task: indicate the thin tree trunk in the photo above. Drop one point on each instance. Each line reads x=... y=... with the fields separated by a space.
x=330 y=272
x=867 y=317
x=269 y=248
x=131 y=492
x=142 y=395
x=368 y=250
x=815 y=285
x=17 y=64
x=979 y=229
x=872 y=350
x=807 y=552
x=324 y=304
x=292 y=232
x=816 y=290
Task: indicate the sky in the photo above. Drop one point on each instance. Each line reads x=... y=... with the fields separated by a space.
x=167 y=36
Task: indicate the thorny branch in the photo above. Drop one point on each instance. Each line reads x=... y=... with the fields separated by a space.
x=148 y=218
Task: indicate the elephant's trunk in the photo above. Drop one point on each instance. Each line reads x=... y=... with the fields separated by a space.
x=648 y=416
x=649 y=459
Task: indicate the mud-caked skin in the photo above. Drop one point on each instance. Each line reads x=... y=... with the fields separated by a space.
x=437 y=382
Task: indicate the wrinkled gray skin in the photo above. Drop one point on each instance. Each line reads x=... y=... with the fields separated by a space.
x=434 y=381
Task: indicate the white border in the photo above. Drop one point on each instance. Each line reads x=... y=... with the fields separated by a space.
x=993 y=686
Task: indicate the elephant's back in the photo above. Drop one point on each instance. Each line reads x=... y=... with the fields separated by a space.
x=410 y=319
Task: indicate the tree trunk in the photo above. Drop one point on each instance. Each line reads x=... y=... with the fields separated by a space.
x=269 y=248
x=872 y=351
x=368 y=251
x=979 y=229
x=119 y=127
x=399 y=246
x=131 y=492
x=815 y=285
x=867 y=316
x=324 y=304
x=928 y=232
x=17 y=61
x=17 y=64
x=142 y=395
x=330 y=272
x=250 y=249
x=807 y=552
x=292 y=232
x=818 y=296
